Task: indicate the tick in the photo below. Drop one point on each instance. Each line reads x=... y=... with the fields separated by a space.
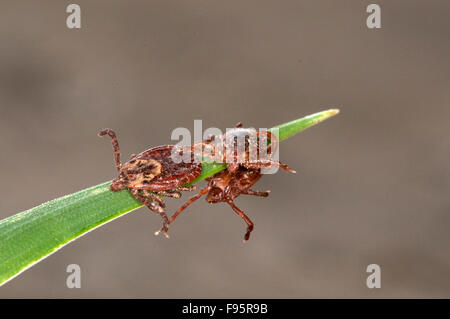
x=152 y=174
x=230 y=153
x=236 y=179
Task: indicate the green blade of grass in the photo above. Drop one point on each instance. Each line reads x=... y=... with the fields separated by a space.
x=28 y=237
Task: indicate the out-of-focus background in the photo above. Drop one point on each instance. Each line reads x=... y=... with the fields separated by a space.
x=373 y=183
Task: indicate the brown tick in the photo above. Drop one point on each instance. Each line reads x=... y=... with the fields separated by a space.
x=151 y=174
x=236 y=179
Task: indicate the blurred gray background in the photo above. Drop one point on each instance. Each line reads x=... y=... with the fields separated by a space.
x=372 y=185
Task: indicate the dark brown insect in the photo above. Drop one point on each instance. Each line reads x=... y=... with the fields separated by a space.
x=236 y=179
x=151 y=174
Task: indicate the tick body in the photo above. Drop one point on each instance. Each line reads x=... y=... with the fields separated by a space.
x=236 y=179
x=242 y=147
x=151 y=174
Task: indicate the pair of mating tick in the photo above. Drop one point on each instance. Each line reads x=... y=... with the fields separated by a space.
x=153 y=173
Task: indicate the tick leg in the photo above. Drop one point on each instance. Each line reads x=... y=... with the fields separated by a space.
x=255 y=193
x=185 y=205
x=154 y=197
x=174 y=194
x=189 y=202
x=269 y=163
x=244 y=217
x=115 y=144
x=283 y=166
x=154 y=206
x=187 y=188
